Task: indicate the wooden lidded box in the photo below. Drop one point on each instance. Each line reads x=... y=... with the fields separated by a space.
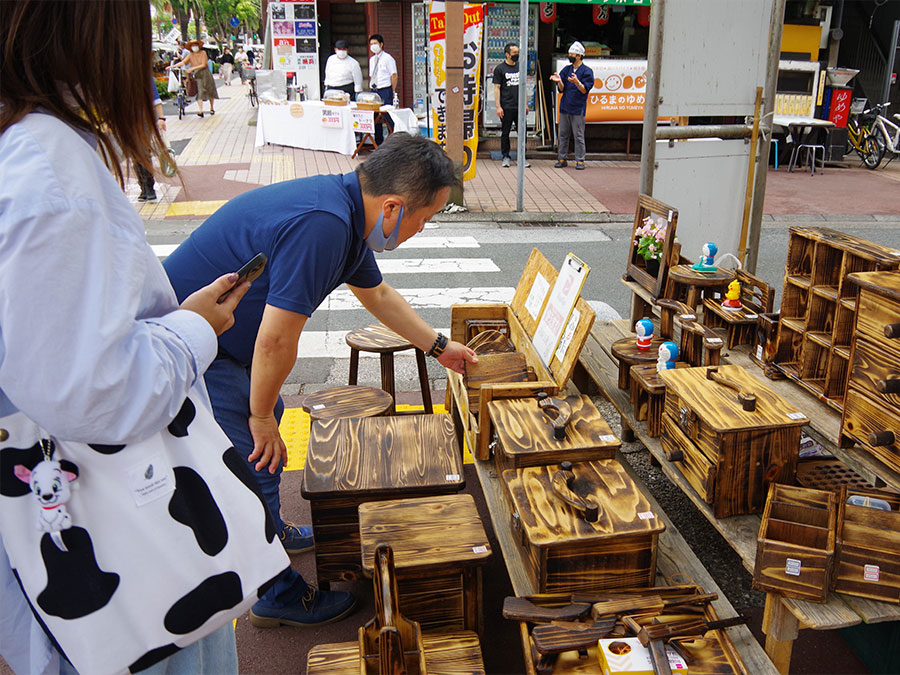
x=367 y=459
x=526 y=433
x=871 y=415
x=564 y=550
x=795 y=547
x=727 y=453
x=522 y=317
x=867 y=560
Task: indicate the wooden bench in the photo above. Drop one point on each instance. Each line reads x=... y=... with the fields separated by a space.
x=783 y=616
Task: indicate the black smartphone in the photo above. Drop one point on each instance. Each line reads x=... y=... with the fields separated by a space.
x=248 y=272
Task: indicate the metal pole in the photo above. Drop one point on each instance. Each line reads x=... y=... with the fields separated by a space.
x=651 y=98
x=705 y=131
x=889 y=66
x=521 y=123
x=759 y=188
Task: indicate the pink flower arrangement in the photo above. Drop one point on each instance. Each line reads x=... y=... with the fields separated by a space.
x=650 y=239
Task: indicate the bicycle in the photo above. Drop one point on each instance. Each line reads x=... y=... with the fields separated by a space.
x=250 y=76
x=890 y=140
x=869 y=147
x=181 y=98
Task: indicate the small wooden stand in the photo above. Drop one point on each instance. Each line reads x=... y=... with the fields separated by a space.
x=696 y=282
x=756 y=299
x=349 y=401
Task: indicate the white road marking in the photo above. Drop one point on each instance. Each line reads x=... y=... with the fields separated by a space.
x=436 y=265
x=425 y=297
x=422 y=241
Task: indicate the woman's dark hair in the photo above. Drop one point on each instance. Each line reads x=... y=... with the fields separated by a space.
x=51 y=58
x=376 y=36
x=412 y=167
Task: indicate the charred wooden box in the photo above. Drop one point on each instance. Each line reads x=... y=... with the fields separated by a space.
x=871 y=414
x=795 y=547
x=521 y=317
x=439 y=549
x=563 y=429
x=867 y=559
x=729 y=454
x=351 y=461
x=583 y=526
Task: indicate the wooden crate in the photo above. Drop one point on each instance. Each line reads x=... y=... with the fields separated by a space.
x=352 y=461
x=795 y=547
x=475 y=424
x=563 y=551
x=439 y=549
x=867 y=558
x=871 y=415
x=525 y=433
x=728 y=454
x=818 y=307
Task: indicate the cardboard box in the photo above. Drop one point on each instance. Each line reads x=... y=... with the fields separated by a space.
x=627 y=656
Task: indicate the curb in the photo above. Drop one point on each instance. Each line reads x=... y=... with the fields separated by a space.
x=539 y=218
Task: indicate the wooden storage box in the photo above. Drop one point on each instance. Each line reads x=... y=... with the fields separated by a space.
x=522 y=317
x=871 y=415
x=352 y=461
x=728 y=454
x=867 y=559
x=439 y=549
x=565 y=552
x=795 y=547
x=526 y=434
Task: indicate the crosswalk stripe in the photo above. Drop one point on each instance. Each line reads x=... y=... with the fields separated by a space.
x=436 y=265
x=440 y=242
x=423 y=298
x=331 y=344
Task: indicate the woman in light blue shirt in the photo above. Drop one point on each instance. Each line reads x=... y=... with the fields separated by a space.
x=93 y=344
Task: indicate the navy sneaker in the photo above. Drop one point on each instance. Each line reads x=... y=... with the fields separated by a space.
x=560 y=164
x=314 y=608
x=297 y=539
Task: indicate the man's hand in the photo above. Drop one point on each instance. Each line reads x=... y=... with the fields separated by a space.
x=574 y=80
x=499 y=111
x=455 y=357
x=268 y=447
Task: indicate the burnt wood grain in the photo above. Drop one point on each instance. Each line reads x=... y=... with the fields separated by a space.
x=348 y=401
x=377 y=338
x=495 y=368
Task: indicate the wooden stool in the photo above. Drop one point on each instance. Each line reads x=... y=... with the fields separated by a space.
x=384 y=342
x=756 y=299
x=367 y=459
x=648 y=395
x=696 y=282
x=439 y=549
x=349 y=401
x=628 y=354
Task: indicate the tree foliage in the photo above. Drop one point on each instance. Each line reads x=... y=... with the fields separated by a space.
x=216 y=14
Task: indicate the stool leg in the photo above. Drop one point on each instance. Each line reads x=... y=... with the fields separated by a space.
x=354 y=365
x=387 y=378
x=423 y=382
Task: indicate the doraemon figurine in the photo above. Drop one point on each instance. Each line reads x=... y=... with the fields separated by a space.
x=668 y=352
x=644 y=330
x=732 y=299
x=707 y=258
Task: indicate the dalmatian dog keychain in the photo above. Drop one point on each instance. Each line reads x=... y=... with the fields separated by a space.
x=49 y=483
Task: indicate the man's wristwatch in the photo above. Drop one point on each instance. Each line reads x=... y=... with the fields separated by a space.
x=440 y=344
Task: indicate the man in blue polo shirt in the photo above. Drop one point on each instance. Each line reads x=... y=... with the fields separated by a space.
x=574 y=83
x=318 y=233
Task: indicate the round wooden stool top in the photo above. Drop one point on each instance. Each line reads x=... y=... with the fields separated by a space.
x=348 y=401
x=628 y=354
x=377 y=338
x=648 y=377
x=696 y=280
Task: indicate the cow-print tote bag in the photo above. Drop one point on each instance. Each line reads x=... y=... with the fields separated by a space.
x=129 y=552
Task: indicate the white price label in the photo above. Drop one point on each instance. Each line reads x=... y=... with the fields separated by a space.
x=689 y=317
x=452 y=477
x=751 y=316
x=608 y=438
x=759 y=352
x=479 y=549
x=646 y=515
x=796 y=415
x=714 y=341
x=792 y=566
x=318 y=406
x=872 y=573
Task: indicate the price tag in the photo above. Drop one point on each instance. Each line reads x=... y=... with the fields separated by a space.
x=792 y=567
x=759 y=352
x=479 y=549
x=796 y=415
x=608 y=438
x=872 y=573
x=714 y=341
x=318 y=406
x=751 y=316
x=646 y=515
x=688 y=317
x=452 y=477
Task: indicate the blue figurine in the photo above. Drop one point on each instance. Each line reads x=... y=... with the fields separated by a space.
x=707 y=258
x=644 y=330
x=668 y=352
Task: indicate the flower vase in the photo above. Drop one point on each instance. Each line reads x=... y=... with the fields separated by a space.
x=652 y=266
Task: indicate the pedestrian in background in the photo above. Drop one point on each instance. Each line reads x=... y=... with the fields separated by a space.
x=226 y=61
x=240 y=62
x=145 y=173
x=382 y=79
x=574 y=82
x=197 y=63
x=342 y=71
x=506 y=96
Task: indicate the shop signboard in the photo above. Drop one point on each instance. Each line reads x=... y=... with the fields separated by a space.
x=472 y=34
x=363 y=121
x=619 y=89
x=293 y=28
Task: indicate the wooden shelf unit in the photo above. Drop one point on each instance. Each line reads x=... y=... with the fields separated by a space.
x=818 y=307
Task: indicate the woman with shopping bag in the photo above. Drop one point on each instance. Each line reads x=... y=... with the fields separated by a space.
x=129 y=526
x=197 y=62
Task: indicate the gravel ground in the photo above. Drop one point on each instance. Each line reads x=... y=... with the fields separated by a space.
x=720 y=560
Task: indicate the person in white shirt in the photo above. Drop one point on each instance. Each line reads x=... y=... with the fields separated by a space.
x=342 y=71
x=382 y=78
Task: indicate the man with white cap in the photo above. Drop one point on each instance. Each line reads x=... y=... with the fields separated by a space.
x=574 y=83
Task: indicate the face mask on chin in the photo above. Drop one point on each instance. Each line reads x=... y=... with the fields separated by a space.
x=376 y=239
x=376 y=48
x=342 y=53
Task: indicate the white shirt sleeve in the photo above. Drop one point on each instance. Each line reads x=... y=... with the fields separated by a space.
x=357 y=75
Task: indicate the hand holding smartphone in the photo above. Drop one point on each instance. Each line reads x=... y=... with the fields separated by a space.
x=248 y=272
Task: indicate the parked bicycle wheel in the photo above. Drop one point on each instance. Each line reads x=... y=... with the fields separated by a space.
x=872 y=151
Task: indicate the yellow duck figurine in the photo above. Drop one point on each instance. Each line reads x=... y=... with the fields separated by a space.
x=733 y=296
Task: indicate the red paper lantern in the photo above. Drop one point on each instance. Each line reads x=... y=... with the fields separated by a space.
x=600 y=14
x=643 y=16
x=548 y=12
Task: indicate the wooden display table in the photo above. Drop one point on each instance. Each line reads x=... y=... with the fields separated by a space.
x=784 y=616
x=696 y=282
x=352 y=461
x=627 y=353
x=349 y=401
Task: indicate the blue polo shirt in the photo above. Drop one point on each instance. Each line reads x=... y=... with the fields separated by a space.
x=311 y=229
x=573 y=101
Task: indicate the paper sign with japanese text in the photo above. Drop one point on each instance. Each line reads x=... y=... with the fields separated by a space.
x=559 y=307
x=363 y=121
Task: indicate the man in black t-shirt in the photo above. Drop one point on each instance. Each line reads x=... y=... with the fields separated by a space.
x=506 y=96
